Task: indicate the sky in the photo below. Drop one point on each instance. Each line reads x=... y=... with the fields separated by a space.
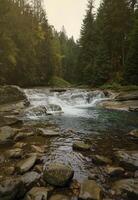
x=67 y=13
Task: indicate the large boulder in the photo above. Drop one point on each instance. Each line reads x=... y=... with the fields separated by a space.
x=58 y=174
x=127 y=187
x=6 y=134
x=11 y=189
x=127 y=96
x=11 y=94
x=90 y=190
x=26 y=164
x=128 y=159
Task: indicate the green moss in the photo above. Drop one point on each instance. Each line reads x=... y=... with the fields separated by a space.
x=59 y=82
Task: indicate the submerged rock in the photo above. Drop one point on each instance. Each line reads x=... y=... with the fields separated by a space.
x=48 y=132
x=127 y=187
x=58 y=174
x=26 y=164
x=37 y=193
x=11 y=189
x=90 y=190
x=101 y=160
x=81 y=146
x=6 y=134
x=128 y=159
x=133 y=134
x=15 y=153
x=114 y=171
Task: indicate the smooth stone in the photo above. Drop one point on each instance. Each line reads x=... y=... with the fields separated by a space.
x=15 y=153
x=11 y=189
x=58 y=174
x=6 y=134
x=126 y=186
x=29 y=179
x=133 y=134
x=128 y=159
x=81 y=146
x=22 y=135
x=26 y=164
x=48 y=132
x=101 y=160
x=90 y=190
x=60 y=197
x=115 y=171
x=37 y=193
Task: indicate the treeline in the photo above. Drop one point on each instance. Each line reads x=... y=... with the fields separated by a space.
x=31 y=51
x=109 y=43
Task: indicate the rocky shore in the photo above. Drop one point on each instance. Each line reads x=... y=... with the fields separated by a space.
x=26 y=176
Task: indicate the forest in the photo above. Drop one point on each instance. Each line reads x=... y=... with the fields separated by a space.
x=33 y=53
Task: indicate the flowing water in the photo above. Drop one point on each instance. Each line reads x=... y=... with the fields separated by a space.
x=81 y=119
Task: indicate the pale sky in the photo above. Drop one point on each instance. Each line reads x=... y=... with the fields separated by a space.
x=69 y=13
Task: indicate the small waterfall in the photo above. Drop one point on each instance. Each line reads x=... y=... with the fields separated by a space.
x=71 y=102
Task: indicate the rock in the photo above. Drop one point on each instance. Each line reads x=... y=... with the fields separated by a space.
x=48 y=132
x=58 y=90
x=22 y=135
x=38 y=110
x=26 y=164
x=115 y=171
x=38 y=168
x=6 y=134
x=54 y=107
x=126 y=186
x=133 y=134
x=29 y=179
x=10 y=170
x=15 y=153
x=58 y=174
x=81 y=146
x=10 y=94
x=11 y=189
x=19 y=145
x=136 y=174
x=60 y=197
x=133 y=108
x=37 y=193
x=90 y=190
x=2 y=158
x=101 y=160
x=9 y=120
x=38 y=149
x=128 y=159
x=127 y=96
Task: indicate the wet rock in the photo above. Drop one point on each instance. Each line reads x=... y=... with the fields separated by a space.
x=60 y=197
x=6 y=134
x=114 y=171
x=22 y=135
x=9 y=120
x=101 y=160
x=30 y=179
x=133 y=134
x=127 y=187
x=90 y=190
x=58 y=90
x=19 y=145
x=58 y=174
x=38 y=149
x=127 y=96
x=38 y=110
x=133 y=108
x=9 y=94
x=38 y=168
x=10 y=170
x=48 y=132
x=81 y=146
x=26 y=164
x=128 y=159
x=11 y=189
x=37 y=193
x=54 y=107
x=14 y=153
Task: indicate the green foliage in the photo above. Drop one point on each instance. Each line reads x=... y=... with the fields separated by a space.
x=59 y=82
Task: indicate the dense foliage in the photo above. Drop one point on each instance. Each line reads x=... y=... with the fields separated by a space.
x=33 y=53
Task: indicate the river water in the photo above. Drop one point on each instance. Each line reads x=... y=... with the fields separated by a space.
x=81 y=119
